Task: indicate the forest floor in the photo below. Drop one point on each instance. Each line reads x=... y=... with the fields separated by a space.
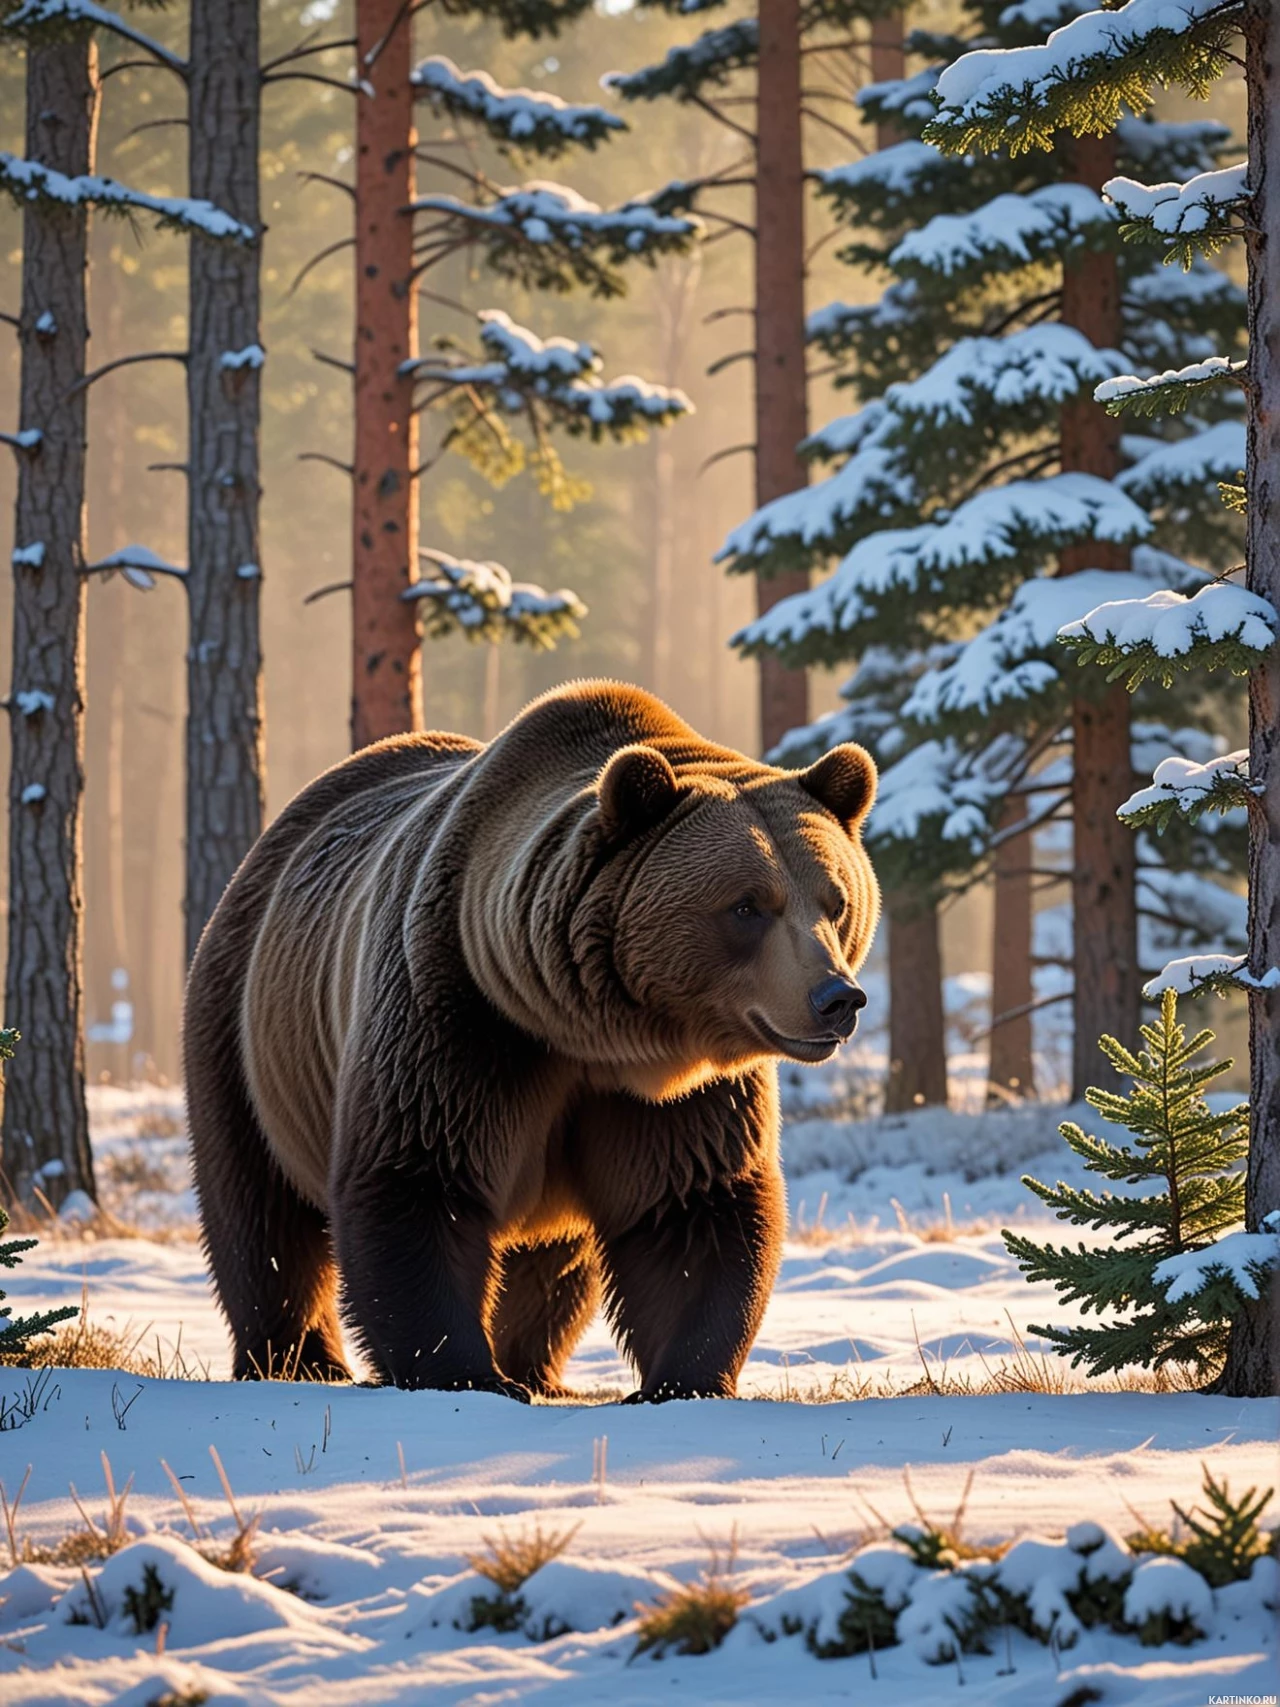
x=896 y=1361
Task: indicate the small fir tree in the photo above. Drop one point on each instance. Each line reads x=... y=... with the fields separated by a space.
x=1194 y=1156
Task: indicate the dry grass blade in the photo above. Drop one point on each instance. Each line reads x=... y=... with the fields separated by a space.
x=11 y=1516
x=240 y=1554
x=181 y=1492
x=509 y=1563
x=696 y=1617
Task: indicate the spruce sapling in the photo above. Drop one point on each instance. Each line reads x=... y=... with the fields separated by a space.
x=15 y=1331
x=1194 y=1157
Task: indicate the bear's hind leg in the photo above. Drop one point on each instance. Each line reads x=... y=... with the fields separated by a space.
x=547 y=1296
x=269 y=1250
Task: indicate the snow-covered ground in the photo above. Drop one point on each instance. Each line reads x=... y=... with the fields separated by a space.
x=370 y=1502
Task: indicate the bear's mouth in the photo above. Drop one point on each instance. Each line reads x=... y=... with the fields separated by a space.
x=811 y=1049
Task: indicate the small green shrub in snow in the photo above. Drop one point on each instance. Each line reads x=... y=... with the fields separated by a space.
x=1194 y=1157
x=1221 y=1542
x=144 y=1605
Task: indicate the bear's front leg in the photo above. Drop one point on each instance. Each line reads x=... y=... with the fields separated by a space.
x=688 y=1285
x=417 y=1267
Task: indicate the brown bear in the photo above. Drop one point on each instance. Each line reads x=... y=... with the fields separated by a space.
x=491 y=1033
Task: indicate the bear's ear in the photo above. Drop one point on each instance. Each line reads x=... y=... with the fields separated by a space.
x=637 y=790
x=844 y=781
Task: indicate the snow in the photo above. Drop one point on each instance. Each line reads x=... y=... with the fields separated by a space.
x=980 y=83
x=139 y=565
x=248 y=572
x=1186 y=781
x=1245 y=1257
x=252 y=356
x=1002 y=661
x=46 y=325
x=28 y=556
x=1172 y=623
x=934 y=783
x=33 y=794
x=897 y=169
x=518 y=115
x=1209 y=371
x=1174 y=209
x=1022 y=519
x=363 y=1571
x=31 y=701
x=1171 y=1586
x=32 y=13
x=908 y=96
x=553 y=213
x=475 y=594
x=560 y=371
x=26 y=439
x=1011 y=230
x=1216 y=453
x=710 y=58
x=1188 y=974
x=30 y=180
x=1049 y=363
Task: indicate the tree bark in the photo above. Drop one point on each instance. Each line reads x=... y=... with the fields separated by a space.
x=225 y=728
x=386 y=680
x=1253 y=1358
x=781 y=406
x=917 y=1025
x=1012 y=1067
x=46 y=1128
x=1104 y=862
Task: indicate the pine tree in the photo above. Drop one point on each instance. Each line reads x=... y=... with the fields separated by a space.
x=1080 y=80
x=502 y=396
x=745 y=75
x=1164 y=1269
x=964 y=500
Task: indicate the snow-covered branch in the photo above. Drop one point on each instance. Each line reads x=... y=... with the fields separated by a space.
x=709 y=61
x=1222 y=973
x=33 y=17
x=1222 y=625
x=1170 y=392
x=1198 y=217
x=481 y=601
x=548 y=236
x=1047 y=224
x=137 y=564
x=1179 y=786
x=28 y=180
x=1083 y=78
x=526 y=119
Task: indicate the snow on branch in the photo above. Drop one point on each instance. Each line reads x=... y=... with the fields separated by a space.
x=137 y=564
x=549 y=237
x=1221 y=973
x=802 y=528
x=1088 y=72
x=1016 y=526
x=1013 y=658
x=557 y=378
x=710 y=61
x=1168 y=473
x=908 y=99
x=526 y=119
x=1010 y=231
x=1179 y=786
x=1220 y=626
x=1170 y=392
x=1198 y=217
x=481 y=601
x=936 y=791
x=34 y=16
x=1247 y=1260
x=28 y=180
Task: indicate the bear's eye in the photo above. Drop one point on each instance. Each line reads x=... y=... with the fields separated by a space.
x=745 y=909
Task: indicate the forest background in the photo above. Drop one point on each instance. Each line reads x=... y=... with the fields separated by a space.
x=639 y=550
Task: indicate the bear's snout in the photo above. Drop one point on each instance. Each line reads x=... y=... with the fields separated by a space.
x=836 y=1003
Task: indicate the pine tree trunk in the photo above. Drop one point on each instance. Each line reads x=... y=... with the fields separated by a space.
x=1253 y=1358
x=917 y=1025
x=46 y=1129
x=225 y=729
x=1104 y=860
x=781 y=410
x=1011 y=1067
x=888 y=63
x=386 y=680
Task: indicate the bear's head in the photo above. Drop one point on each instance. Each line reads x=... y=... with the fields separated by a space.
x=741 y=903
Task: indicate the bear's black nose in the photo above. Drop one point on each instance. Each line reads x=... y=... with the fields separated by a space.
x=836 y=1002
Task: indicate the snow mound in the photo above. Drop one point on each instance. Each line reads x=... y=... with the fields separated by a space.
x=1168 y=1587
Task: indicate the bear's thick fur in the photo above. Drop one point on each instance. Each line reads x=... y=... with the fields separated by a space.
x=491 y=1033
